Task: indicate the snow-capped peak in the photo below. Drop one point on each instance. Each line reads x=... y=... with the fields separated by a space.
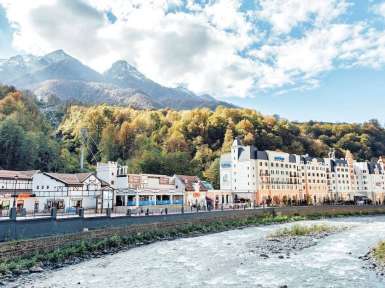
x=56 y=56
x=121 y=69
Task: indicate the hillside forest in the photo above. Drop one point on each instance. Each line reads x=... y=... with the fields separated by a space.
x=161 y=141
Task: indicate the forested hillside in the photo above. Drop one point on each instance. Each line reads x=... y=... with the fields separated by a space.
x=163 y=141
x=190 y=142
x=27 y=139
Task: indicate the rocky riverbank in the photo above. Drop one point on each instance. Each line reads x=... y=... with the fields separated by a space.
x=284 y=242
x=11 y=269
x=375 y=259
x=77 y=252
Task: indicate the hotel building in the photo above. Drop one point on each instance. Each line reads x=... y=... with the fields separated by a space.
x=278 y=177
x=371 y=180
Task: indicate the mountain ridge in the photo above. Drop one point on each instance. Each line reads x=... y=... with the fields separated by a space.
x=65 y=77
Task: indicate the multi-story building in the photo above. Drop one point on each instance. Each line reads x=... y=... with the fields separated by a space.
x=272 y=177
x=371 y=180
x=139 y=189
x=275 y=177
x=313 y=178
x=341 y=184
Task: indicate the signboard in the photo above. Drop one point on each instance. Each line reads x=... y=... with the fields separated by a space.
x=196 y=194
x=226 y=165
x=279 y=158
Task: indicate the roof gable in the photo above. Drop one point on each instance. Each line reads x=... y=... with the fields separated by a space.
x=70 y=179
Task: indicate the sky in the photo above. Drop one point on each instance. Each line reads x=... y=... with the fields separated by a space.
x=300 y=59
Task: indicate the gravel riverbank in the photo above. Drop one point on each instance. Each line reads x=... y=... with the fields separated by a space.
x=75 y=253
x=373 y=261
x=225 y=260
x=282 y=246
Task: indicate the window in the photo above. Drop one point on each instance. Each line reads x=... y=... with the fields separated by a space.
x=37 y=187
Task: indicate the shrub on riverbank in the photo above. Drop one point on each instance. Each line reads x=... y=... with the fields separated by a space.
x=304 y=230
x=379 y=252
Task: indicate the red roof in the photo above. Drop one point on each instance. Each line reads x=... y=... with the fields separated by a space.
x=189 y=182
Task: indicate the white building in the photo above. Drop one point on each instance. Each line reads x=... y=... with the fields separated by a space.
x=371 y=180
x=194 y=190
x=16 y=190
x=341 y=184
x=137 y=190
x=70 y=191
x=275 y=177
x=272 y=177
x=109 y=172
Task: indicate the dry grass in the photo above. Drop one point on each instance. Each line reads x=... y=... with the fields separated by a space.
x=379 y=252
x=304 y=230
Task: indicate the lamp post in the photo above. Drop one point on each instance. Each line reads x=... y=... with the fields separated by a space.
x=182 y=209
x=14 y=192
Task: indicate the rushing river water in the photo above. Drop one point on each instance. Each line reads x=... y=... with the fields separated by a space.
x=226 y=260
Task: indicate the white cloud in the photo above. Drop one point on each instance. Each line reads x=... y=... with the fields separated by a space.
x=379 y=9
x=213 y=47
x=284 y=15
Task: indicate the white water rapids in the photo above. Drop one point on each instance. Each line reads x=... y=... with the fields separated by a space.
x=226 y=260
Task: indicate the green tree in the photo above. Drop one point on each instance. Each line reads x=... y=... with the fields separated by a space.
x=228 y=140
x=211 y=174
x=16 y=149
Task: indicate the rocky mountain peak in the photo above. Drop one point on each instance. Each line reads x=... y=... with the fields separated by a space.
x=57 y=56
x=122 y=69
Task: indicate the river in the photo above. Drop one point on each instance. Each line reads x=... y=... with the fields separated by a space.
x=226 y=260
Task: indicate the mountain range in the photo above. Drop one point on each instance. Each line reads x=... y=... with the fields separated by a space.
x=63 y=77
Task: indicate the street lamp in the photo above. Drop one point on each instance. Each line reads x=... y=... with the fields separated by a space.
x=182 y=210
x=14 y=192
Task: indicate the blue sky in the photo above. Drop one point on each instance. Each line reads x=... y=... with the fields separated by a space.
x=320 y=60
x=355 y=95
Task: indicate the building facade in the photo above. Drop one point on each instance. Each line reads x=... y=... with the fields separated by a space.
x=138 y=190
x=371 y=180
x=194 y=190
x=70 y=191
x=281 y=178
x=16 y=189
